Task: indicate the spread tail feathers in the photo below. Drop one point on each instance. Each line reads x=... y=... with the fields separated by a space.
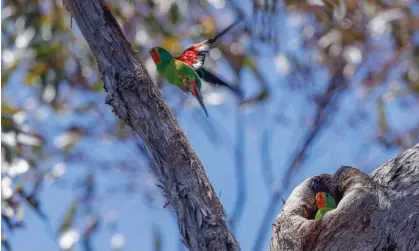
x=211 y=78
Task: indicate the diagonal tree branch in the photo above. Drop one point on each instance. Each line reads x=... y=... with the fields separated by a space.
x=136 y=99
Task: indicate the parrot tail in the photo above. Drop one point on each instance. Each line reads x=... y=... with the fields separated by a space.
x=198 y=95
x=211 y=78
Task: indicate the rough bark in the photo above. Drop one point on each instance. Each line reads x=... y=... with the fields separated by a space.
x=136 y=99
x=379 y=211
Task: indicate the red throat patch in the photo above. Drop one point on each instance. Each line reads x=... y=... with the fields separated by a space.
x=155 y=56
x=320 y=199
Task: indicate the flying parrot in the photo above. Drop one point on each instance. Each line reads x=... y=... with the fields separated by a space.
x=185 y=71
x=325 y=203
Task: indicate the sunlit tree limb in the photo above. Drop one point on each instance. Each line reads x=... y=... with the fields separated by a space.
x=136 y=99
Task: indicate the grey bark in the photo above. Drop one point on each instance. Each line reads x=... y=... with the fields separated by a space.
x=136 y=99
x=379 y=211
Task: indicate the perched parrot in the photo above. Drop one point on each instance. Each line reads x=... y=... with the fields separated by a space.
x=325 y=203
x=185 y=71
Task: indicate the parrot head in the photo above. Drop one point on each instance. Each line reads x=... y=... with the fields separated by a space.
x=160 y=56
x=325 y=200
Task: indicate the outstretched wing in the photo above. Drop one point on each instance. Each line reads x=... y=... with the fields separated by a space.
x=195 y=55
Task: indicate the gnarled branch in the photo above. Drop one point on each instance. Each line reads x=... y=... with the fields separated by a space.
x=136 y=99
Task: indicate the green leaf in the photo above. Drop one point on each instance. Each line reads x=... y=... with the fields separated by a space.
x=6 y=109
x=382 y=119
x=7 y=123
x=35 y=72
x=69 y=217
x=174 y=13
x=9 y=152
x=98 y=86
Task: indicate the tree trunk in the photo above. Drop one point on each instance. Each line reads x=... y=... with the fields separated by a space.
x=375 y=212
x=379 y=211
x=136 y=99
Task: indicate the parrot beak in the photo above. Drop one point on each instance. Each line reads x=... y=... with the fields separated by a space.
x=152 y=50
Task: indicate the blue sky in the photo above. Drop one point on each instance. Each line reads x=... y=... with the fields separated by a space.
x=337 y=146
x=137 y=218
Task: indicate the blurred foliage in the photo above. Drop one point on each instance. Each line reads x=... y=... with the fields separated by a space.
x=53 y=116
x=355 y=34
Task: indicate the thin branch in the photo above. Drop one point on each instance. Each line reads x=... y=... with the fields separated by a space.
x=240 y=170
x=266 y=161
x=324 y=111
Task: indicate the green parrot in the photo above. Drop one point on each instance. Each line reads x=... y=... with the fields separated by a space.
x=325 y=203
x=185 y=71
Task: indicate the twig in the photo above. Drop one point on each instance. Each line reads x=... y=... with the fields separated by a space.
x=240 y=170
x=336 y=85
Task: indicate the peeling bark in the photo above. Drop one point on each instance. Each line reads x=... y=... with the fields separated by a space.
x=136 y=99
x=379 y=211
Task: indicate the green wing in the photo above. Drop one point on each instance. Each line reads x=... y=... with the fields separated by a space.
x=321 y=212
x=183 y=76
x=187 y=71
x=176 y=72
